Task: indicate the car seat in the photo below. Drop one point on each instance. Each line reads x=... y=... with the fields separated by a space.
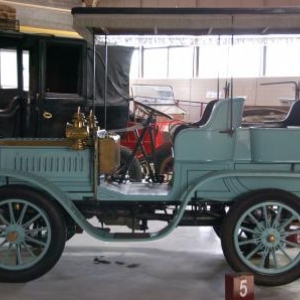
x=175 y=129
x=292 y=118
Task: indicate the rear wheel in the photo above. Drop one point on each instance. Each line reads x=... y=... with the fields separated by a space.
x=258 y=236
x=32 y=234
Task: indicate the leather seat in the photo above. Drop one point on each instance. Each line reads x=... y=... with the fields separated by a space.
x=175 y=129
x=293 y=116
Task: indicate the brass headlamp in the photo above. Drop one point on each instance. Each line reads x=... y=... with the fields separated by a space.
x=78 y=131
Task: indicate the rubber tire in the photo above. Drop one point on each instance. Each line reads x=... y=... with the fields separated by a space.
x=218 y=228
x=164 y=157
x=135 y=170
x=227 y=235
x=58 y=228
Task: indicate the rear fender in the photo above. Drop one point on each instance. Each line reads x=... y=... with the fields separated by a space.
x=215 y=175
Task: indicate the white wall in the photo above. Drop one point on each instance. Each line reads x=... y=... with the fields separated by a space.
x=204 y=90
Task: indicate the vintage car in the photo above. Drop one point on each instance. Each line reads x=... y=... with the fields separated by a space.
x=242 y=181
x=235 y=179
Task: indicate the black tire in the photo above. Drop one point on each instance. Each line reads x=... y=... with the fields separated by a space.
x=135 y=170
x=255 y=236
x=219 y=210
x=165 y=160
x=32 y=234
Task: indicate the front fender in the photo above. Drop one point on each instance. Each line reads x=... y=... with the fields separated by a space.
x=60 y=196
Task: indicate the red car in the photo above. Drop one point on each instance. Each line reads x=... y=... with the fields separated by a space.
x=155 y=150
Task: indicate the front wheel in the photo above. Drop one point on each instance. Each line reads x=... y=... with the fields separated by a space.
x=32 y=234
x=258 y=236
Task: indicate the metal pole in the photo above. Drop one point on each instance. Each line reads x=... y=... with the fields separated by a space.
x=105 y=82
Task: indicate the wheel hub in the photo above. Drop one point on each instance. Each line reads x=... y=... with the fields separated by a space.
x=271 y=238
x=268 y=237
x=14 y=234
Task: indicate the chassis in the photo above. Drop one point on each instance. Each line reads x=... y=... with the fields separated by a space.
x=236 y=179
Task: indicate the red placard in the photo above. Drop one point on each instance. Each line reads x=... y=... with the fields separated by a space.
x=239 y=286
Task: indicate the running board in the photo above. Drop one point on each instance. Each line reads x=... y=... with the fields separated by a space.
x=129 y=235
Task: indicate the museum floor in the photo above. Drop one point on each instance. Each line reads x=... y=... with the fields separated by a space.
x=187 y=265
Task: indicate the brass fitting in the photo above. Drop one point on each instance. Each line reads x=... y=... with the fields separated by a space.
x=78 y=131
x=92 y=122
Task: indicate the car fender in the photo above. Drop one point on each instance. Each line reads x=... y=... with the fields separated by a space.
x=57 y=194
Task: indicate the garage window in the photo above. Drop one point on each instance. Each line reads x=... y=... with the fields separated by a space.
x=213 y=61
x=156 y=63
x=225 y=61
x=283 y=59
x=241 y=56
x=181 y=62
x=8 y=69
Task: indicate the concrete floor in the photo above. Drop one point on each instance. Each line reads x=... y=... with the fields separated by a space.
x=188 y=265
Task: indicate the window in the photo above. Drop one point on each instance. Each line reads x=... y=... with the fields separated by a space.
x=8 y=69
x=181 y=62
x=226 y=61
x=246 y=60
x=241 y=56
x=283 y=59
x=134 y=67
x=156 y=63
x=169 y=62
x=26 y=70
x=63 y=63
x=214 y=61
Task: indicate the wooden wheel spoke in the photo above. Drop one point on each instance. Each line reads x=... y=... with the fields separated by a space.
x=277 y=218
x=3 y=220
x=34 y=241
x=248 y=241
x=275 y=260
x=253 y=252
x=257 y=223
x=21 y=217
x=285 y=253
x=265 y=259
x=28 y=250
x=267 y=220
x=287 y=222
x=19 y=260
x=3 y=243
x=247 y=229
x=7 y=253
x=28 y=223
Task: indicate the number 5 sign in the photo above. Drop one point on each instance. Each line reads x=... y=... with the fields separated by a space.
x=239 y=286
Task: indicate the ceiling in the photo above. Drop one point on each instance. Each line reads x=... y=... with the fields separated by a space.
x=187 y=21
x=59 y=15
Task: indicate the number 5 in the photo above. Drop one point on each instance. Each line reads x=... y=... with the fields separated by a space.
x=243 y=288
